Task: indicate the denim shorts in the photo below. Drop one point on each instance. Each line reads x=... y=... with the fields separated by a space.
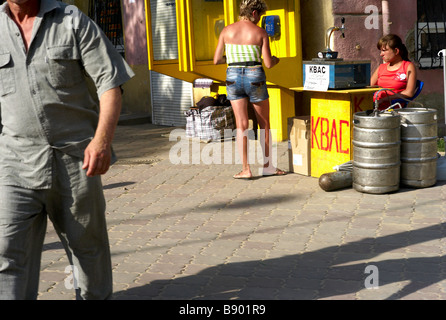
x=246 y=82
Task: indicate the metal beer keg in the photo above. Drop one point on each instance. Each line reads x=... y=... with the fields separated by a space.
x=376 y=152
x=418 y=147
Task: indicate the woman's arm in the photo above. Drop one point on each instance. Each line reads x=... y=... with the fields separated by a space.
x=374 y=78
x=268 y=60
x=218 y=55
x=411 y=86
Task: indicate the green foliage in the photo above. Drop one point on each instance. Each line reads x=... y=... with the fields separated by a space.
x=440 y=144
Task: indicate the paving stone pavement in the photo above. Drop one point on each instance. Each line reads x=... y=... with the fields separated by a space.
x=191 y=231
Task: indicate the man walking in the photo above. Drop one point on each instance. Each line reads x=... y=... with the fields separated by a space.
x=55 y=143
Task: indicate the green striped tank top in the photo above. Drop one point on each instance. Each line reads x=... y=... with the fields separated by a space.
x=242 y=53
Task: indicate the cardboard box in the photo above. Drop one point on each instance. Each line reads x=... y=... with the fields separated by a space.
x=299 y=145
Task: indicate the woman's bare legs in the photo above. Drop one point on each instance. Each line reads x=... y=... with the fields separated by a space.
x=240 y=108
x=262 y=113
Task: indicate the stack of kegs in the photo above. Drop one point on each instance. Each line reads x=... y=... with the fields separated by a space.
x=392 y=147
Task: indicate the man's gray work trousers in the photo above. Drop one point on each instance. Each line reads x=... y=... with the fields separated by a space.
x=76 y=206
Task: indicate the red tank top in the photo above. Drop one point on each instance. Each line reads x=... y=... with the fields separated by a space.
x=395 y=80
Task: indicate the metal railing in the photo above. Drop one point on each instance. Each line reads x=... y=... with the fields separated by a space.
x=430 y=35
x=107 y=14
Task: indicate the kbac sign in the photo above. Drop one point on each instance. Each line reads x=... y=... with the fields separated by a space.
x=331 y=127
x=326 y=135
x=317 y=69
x=317 y=77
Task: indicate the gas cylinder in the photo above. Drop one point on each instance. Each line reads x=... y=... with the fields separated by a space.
x=336 y=180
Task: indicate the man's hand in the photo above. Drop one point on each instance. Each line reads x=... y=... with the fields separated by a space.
x=97 y=158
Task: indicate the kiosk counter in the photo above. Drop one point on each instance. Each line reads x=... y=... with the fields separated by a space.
x=331 y=114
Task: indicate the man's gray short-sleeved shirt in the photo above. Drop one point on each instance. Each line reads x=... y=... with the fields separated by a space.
x=44 y=98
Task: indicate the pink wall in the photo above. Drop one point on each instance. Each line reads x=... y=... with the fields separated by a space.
x=402 y=18
x=359 y=42
x=135 y=32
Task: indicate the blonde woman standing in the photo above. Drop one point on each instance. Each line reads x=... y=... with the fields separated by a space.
x=245 y=44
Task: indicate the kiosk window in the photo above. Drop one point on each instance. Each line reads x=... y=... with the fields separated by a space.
x=208 y=20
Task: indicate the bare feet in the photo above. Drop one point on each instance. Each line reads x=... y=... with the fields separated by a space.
x=273 y=172
x=243 y=175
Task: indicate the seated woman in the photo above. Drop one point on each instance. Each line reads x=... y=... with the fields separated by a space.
x=396 y=73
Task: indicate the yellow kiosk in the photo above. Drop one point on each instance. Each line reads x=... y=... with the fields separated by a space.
x=198 y=25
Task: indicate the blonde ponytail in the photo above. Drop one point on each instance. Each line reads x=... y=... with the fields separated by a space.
x=248 y=6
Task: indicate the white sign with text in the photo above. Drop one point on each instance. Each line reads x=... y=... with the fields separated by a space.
x=317 y=77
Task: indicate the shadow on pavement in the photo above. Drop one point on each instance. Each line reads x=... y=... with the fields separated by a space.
x=328 y=272
x=118 y=185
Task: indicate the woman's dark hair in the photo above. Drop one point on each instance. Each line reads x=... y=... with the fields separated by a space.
x=394 y=42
